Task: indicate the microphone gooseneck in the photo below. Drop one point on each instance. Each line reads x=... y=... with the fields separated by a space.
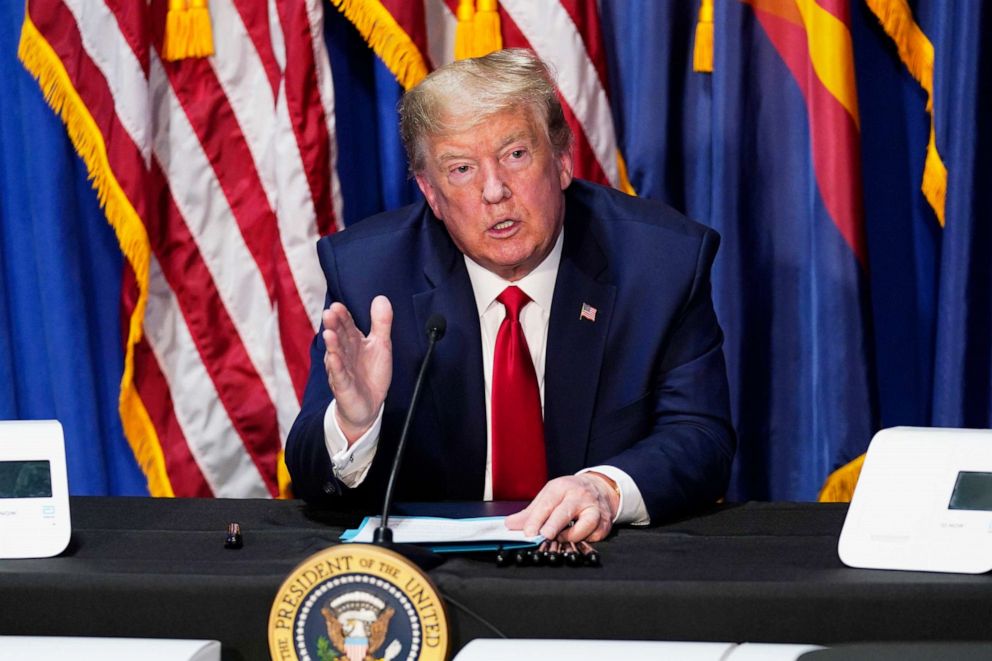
x=434 y=329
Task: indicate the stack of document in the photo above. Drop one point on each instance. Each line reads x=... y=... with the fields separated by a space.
x=443 y=535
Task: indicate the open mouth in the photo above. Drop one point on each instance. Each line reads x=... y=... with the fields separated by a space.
x=503 y=228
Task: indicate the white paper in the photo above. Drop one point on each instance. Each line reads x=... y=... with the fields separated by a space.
x=436 y=530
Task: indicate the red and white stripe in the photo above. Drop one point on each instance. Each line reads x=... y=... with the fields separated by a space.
x=230 y=163
x=566 y=34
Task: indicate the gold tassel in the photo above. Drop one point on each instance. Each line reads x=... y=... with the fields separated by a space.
x=41 y=61
x=282 y=476
x=187 y=30
x=487 y=37
x=385 y=36
x=201 y=34
x=839 y=486
x=702 y=53
x=916 y=52
x=465 y=30
x=176 y=30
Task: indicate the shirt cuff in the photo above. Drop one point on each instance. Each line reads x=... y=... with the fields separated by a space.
x=631 y=509
x=350 y=464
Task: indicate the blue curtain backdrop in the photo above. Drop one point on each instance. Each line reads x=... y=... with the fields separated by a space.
x=60 y=270
x=821 y=352
x=963 y=348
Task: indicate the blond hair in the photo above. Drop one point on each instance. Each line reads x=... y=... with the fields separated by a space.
x=466 y=92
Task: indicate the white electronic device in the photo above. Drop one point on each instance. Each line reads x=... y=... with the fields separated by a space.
x=482 y=649
x=923 y=502
x=80 y=648
x=34 y=490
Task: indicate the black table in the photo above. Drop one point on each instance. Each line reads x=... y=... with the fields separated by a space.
x=760 y=572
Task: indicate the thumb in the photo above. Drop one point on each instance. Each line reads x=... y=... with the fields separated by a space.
x=382 y=317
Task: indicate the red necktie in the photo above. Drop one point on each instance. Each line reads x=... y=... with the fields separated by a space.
x=519 y=464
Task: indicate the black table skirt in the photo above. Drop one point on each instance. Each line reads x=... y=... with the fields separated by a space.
x=760 y=572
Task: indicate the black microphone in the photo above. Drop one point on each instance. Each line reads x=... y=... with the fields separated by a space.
x=435 y=328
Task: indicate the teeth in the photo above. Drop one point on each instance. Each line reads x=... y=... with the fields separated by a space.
x=503 y=225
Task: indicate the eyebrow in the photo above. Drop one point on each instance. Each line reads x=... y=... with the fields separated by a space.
x=449 y=156
x=508 y=140
x=519 y=135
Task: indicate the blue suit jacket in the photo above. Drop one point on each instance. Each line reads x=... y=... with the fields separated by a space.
x=643 y=388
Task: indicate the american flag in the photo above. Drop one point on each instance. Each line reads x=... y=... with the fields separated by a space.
x=417 y=36
x=218 y=175
x=587 y=312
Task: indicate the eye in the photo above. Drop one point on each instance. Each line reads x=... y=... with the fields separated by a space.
x=517 y=153
x=460 y=169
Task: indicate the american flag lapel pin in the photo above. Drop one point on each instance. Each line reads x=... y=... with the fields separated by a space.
x=588 y=312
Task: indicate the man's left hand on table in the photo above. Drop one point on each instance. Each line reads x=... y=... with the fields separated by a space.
x=570 y=509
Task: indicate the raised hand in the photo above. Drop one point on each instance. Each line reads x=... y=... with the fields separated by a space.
x=359 y=367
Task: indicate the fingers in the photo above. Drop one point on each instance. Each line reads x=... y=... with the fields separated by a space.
x=336 y=317
x=340 y=333
x=531 y=519
x=359 y=367
x=343 y=339
x=516 y=520
x=568 y=508
x=338 y=375
x=591 y=525
x=337 y=354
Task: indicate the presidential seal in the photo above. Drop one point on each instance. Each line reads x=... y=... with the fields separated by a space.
x=357 y=602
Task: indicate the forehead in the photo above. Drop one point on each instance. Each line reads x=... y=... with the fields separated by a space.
x=494 y=131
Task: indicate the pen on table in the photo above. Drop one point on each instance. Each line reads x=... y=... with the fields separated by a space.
x=589 y=555
x=572 y=556
x=553 y=557
x=537 y=555
x=234 y=540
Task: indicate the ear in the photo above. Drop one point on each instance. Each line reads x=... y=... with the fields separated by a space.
x=565 y=168
x=427 y=188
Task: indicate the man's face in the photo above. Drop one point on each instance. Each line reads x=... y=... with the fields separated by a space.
x=497 y=187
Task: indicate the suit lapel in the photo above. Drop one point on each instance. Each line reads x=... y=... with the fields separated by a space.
x=455 y=376
x=575 y=347
x=574 y=354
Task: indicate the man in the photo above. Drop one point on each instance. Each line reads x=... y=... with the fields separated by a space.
x=563 y=300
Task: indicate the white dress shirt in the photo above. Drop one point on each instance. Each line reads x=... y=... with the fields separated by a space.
x=351 y=465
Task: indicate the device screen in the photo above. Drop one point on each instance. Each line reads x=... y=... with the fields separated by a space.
x=26 y=479
x=972 y=491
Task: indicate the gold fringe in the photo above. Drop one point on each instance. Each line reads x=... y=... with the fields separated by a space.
x=702 y=53
x=385 y=36
x=624 y=183
x=839 y=485
x=42 y=62
x=187 y=30
x=916 y=52
x=487 y=37
x=282 y=477
x=935 y=177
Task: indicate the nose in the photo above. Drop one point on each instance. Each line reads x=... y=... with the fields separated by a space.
x=494 y=186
